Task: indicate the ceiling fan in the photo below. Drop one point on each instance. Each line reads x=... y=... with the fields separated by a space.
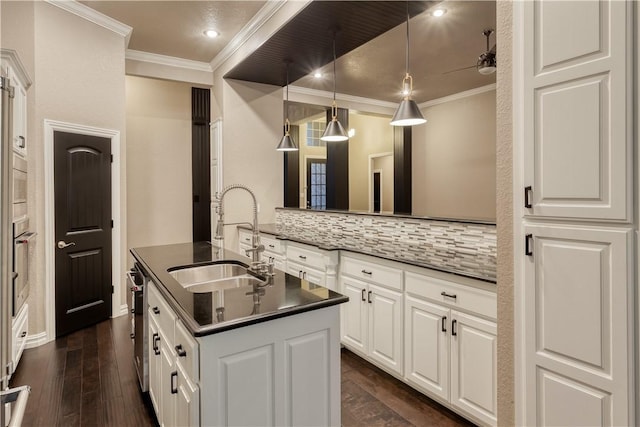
x=486 y=63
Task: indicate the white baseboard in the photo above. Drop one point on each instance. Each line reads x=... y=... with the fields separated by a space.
x=124 y=309
x=36 y=340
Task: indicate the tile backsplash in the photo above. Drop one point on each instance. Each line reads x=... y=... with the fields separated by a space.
x=459 y=247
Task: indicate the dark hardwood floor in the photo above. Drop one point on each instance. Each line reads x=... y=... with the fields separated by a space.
x=87 y=378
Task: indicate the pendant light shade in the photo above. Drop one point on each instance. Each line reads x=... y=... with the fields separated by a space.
x=408 y=113
x=286 y=143
x=334 y=130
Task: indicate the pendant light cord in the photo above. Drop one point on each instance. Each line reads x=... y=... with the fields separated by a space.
x=407 y=58
x=334 y=67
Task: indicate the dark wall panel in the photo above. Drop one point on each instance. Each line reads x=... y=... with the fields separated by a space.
x=292 y=172
x=402 y=170
x=338 y=167
x=200 y=163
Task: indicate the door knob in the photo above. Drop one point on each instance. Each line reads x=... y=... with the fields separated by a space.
x=62 y=244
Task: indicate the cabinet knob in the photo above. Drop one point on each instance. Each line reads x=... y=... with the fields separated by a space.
x=302 y=257
x=369 y=297
x=156 y=310
x=444 y=323
x=174 y=380
x=363 y=297
x=368 y=273
x=453 y=328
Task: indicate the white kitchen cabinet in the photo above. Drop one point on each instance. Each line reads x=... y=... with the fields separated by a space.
x=19 y=329
x=580 y=309
x=473 y=366
x=173 y=365
x=154 y=363
x=574 y=282
x=273 y=248
x=13 y=68
x=372 y=320
x=577 y=100
x=451 y=354
x=313 y=264
x=427 y=347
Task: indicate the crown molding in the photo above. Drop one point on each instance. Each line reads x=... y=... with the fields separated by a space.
x=92 y=15
x=12 y=57
x=459 y=95
x=258 y=20
x=341 y=96
x=171 y=61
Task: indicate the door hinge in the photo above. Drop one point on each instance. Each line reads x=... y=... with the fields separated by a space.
x=111 y=223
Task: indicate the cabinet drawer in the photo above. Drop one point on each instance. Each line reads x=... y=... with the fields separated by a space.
x=452 y=294
x=244 y=238
x=373 y=273
x=306 y=257
x=271 y=244
x=160 y=311
x=187 y=351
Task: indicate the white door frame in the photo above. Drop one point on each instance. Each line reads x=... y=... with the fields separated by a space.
x=50 y=126
x=372 y=157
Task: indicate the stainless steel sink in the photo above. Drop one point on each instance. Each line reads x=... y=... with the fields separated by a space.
x=214 y=277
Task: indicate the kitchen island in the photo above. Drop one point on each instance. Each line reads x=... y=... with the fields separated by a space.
x=254 y=350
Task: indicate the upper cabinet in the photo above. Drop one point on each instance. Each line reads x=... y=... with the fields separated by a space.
x=13 y=69
x=578 y=127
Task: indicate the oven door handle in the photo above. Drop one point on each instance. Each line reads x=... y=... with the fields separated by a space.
x=25 y=238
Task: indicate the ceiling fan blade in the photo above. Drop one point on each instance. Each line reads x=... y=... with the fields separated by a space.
x=459 y=69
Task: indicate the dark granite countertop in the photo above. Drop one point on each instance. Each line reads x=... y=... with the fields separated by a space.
x=273 y=230
x=242 y=306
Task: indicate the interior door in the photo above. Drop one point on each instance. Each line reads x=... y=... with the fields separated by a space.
x=317 y=183
x=82 y=183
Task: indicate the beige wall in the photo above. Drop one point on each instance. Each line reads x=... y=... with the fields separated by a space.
x=373 y=135
x=78 y=73
x=454 y=159
x=251 y=129
x=504 y=206
x=159 y=209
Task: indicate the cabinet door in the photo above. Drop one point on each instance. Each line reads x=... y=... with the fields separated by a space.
x=578 y=314
x=426 y=332
x=314 y=276
x=577 y=105
x=168 y=382
x=354 y=314
x=187 y=400
x=386 y=327
x=473 y=366
x=294 y=269
x=154 y=363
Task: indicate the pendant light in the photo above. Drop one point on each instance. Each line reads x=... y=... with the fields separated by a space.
x=334 y=130
x=286 y=143
x=408 y=113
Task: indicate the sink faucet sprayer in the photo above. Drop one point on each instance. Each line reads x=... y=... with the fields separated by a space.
x=256 y=247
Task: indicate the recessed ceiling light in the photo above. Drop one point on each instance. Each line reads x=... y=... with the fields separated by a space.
x=317 y=75
x=438 y=12
x=212 y=34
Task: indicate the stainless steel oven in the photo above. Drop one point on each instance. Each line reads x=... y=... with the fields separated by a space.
x=137 y=304
x=22 y=238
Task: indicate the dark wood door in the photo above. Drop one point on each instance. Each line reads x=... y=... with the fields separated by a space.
x=82 y=183
x=376 y=191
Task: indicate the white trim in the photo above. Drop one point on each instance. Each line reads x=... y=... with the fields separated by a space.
x=124 y=309
x=94 y=16
x=518 y=214
x=49 y=212
x=459 y=95
x=36 y=340
x=370 y=175
x=258 y=20
x=340 y=96
x=171 y=61
x=13 y=59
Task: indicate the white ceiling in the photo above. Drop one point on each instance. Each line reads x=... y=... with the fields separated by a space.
x=375 y=70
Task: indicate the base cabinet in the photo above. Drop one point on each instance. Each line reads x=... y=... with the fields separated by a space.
x=20 y=325
x=451 y=354
x=372 y=323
